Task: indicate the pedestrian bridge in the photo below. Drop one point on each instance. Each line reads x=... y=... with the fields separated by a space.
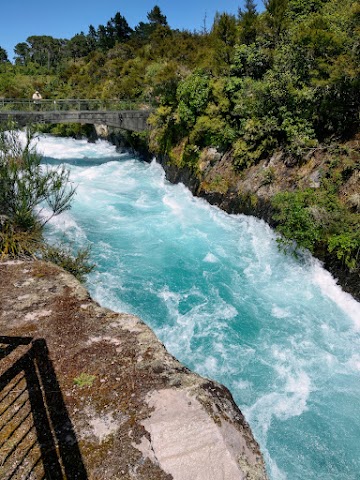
x=85 y=111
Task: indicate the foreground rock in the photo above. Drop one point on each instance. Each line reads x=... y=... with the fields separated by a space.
x=101 y=396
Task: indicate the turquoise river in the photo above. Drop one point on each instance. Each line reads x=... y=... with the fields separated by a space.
x=277 y=331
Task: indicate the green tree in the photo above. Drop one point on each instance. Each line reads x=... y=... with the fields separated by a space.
x=224 y=33
x=156 y=17
x=25 y=185
x=276 y=18
x=117 y=30
x=193 y=96
x=144 y=30
x=122 y=30
x=250 y=60
x=248 y=22
x=46 y=50
x=78 y=46
x=3 y=56
x=299 y=8
x=22 y=53
x=92 y=37
x=105 y=42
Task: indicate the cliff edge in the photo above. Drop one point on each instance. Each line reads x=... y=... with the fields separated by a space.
x=88 y=393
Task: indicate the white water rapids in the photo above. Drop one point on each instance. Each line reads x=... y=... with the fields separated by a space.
x=279 y=333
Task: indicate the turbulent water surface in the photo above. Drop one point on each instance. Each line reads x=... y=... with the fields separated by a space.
x=277 y=332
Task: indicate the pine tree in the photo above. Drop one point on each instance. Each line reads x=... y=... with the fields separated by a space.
x=248 y=20
x=3 y=56
x=224 y=35
x=155 y=17
x=119 y=27
x=276 y=17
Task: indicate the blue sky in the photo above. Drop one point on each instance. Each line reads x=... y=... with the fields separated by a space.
x=65 y=18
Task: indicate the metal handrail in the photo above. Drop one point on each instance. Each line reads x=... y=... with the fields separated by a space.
x=65 y=104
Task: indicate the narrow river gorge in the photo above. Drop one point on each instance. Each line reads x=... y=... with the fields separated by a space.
x=277 y=331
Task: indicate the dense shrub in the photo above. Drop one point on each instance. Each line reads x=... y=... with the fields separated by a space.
x=317 y=220
x=25 y=183
x=28 y=190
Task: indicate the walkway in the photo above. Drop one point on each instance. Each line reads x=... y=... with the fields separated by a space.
x=85 y=111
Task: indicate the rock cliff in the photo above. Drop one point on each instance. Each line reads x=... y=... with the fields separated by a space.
x=251 y=190
x=90 y=393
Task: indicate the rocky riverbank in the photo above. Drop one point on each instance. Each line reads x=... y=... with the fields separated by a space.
x=251 y=191
x=102 y=397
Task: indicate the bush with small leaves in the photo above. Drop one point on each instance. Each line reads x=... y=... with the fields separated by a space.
x=78 y=264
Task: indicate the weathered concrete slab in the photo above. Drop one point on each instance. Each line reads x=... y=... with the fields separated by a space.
x=115 y=400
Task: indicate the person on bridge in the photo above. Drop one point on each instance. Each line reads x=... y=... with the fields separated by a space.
x=37 y=99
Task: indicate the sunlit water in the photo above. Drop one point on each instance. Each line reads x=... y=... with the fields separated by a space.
x=277 y=332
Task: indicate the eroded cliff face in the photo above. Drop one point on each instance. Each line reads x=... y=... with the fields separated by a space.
x=102 y=398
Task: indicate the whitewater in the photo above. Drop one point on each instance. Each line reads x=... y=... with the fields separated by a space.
x=277 y=331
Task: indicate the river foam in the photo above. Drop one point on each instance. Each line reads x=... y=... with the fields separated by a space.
x=278 y=332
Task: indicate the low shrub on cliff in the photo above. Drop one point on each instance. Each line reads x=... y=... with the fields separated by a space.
x=77 y=264
x=319 y=222
x=15 y=242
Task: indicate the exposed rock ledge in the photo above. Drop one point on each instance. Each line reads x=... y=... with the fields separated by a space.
x=134 y=411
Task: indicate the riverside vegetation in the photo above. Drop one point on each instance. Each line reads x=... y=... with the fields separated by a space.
x=280 y=83
x=30 y=195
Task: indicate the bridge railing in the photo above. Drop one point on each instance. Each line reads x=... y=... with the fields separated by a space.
x=69 y=104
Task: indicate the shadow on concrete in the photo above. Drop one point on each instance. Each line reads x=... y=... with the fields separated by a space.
x=37 y=439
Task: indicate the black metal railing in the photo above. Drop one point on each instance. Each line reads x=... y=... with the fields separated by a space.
x=37 y=439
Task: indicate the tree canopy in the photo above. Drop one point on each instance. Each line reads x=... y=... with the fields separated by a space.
x=286 y=79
